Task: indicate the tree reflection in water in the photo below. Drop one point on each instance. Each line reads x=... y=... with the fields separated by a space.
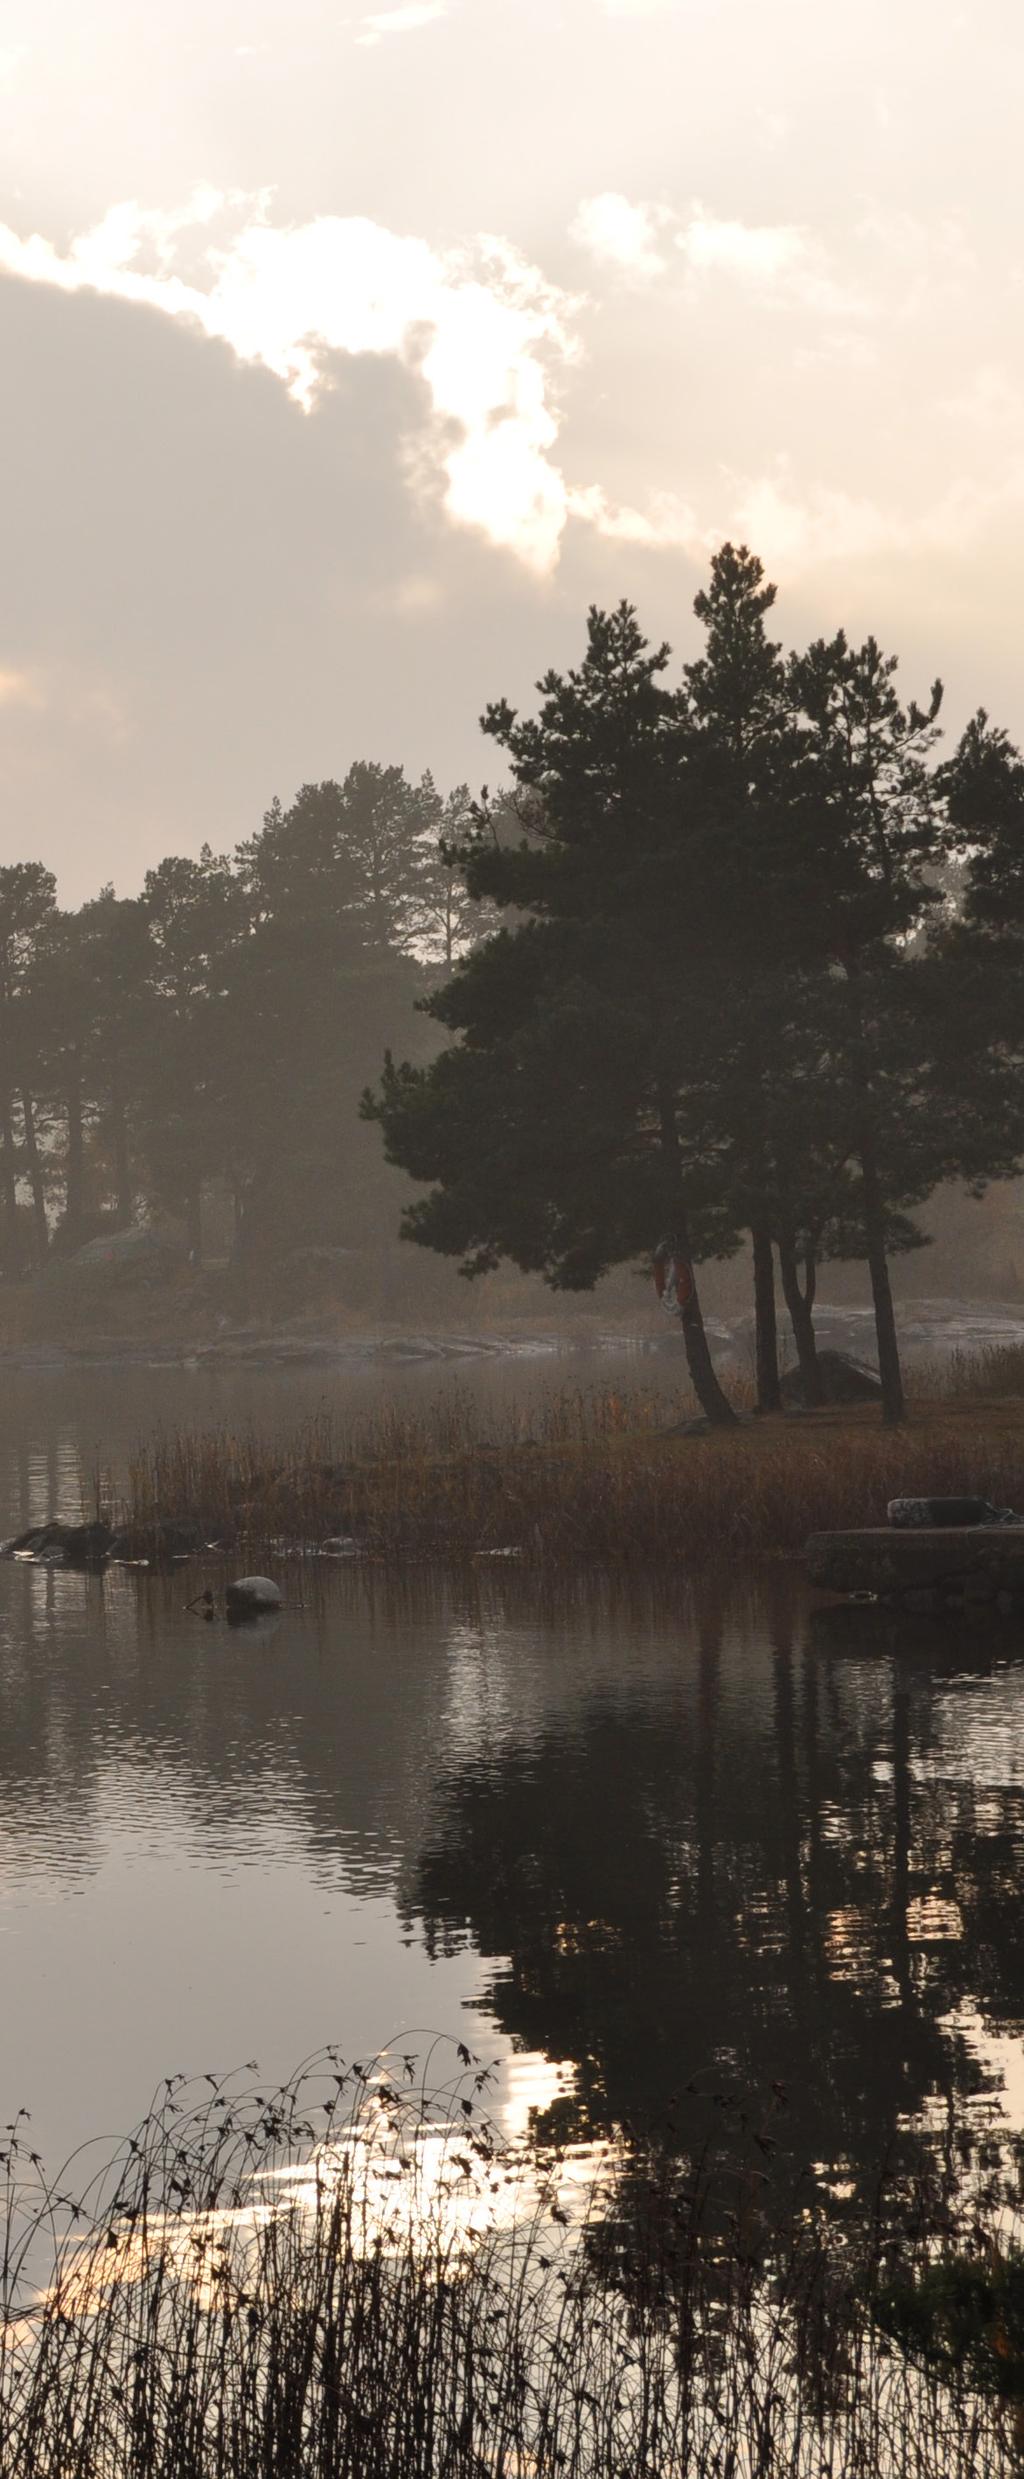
x=804 y=1917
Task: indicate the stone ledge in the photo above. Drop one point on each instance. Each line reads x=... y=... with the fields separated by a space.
x=977 y=1560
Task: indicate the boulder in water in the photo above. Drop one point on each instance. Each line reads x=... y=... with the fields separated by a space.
x=251 y=1595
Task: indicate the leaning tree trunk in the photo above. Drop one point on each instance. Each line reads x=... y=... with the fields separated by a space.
x=890 y=1373
x=800 y=1304
x=766 y=1333
x=37 y=1183
x=715 y=1405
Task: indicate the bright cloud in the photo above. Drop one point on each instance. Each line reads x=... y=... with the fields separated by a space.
x=401 y=21
x=761 y=253
x=620 y=233
x=482 y=328
x=491 y=339
x=796 y=529
x=669 y=523
x=780 y=261
x=799 y=528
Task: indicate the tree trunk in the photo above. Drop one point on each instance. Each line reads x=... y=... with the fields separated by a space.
x=74 y=1178
x=893 y=1404
x=766 y=1336
x=9 y=1190
x=800 y=1304
x=714 y=1404
x=37 y=1182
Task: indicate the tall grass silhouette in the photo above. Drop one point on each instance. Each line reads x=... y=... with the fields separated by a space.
x=354 y=2277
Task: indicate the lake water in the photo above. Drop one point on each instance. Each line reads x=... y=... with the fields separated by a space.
x=619 y=1835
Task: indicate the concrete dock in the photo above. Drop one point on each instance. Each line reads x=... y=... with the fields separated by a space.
x=959 y=1567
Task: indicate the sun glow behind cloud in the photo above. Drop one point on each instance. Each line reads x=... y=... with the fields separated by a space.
x=481 y=327
x=487 y=334
x=492 y=341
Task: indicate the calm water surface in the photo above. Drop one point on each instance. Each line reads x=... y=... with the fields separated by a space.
x=616 y=1835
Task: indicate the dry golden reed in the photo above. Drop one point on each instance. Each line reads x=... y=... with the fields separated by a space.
x=595 y=1475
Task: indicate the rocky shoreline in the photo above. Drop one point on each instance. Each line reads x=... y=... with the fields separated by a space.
x=928 y=1327
x=92 y=1547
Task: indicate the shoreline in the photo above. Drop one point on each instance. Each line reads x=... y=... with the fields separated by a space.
x=933 y=1328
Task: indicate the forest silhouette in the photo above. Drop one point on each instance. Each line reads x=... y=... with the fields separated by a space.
x=730 y=962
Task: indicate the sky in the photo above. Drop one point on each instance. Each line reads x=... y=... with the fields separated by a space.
x=349 y=355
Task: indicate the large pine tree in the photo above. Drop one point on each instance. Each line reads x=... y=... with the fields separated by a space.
x=572 y=1123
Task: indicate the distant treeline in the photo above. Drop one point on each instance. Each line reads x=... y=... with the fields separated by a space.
x=761 y=977
x=221 y=1025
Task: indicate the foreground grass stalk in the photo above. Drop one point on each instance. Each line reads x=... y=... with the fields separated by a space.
x=352 y=2278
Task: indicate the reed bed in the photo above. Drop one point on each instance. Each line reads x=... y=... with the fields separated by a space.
x=352 y=2278
x=990 y=1372
x=594 y=1475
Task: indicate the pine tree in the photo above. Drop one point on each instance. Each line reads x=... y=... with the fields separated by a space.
x=867 y=829
x=568 y=1125
x=739 y=707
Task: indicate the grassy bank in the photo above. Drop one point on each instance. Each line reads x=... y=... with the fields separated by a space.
x=349 y=2278
x=595 y=1475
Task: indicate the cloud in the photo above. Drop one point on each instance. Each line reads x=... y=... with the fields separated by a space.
x=482 y=328
x=787 y=529
x=758 y=253
x=182 y=543
x=405 y=20
x=798 y=527
x=619 y=232
x=781 y=262
x=669 y=524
